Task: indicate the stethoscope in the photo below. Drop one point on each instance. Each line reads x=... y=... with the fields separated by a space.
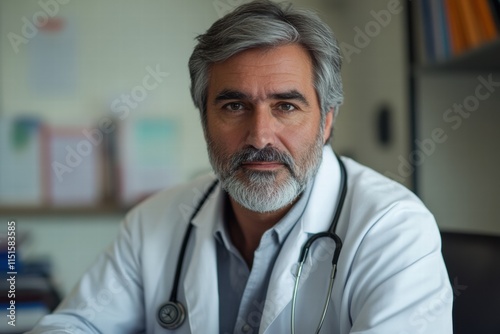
x=171 y=315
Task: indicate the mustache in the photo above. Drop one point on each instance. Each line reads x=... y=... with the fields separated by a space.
x=267 y=154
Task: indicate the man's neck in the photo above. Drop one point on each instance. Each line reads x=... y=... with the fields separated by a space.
x=246 y=227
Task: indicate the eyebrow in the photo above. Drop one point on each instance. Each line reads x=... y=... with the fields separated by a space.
x=227 y=94
x=290 y=95
x=293 y=94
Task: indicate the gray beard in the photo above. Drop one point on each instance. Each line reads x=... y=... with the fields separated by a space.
x=260 y=191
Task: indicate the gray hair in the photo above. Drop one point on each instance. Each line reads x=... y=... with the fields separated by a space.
x=262 y=23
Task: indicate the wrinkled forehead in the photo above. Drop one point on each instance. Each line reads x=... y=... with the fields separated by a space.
x=261 y=72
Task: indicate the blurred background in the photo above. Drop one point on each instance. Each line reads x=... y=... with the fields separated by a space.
x=95 y=113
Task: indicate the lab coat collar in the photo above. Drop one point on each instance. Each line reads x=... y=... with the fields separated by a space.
x=324 y=196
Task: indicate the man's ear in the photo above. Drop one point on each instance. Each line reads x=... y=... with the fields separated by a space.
x=328 y=125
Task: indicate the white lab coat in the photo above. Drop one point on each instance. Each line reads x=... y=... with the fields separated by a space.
x=391 y=277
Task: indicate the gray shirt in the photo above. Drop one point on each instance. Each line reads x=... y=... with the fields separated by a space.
x=242 y=290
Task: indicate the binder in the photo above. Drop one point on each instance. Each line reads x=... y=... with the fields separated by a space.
x=473 y=32
x=487 y=22
x=455 y=27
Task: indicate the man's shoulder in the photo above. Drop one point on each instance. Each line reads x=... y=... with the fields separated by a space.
x=376 y=191
x=384 y=213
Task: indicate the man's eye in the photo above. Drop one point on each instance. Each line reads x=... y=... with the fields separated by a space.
x=233 y=106
x=286 y=107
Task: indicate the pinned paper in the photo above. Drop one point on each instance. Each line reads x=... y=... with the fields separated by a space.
x=20 y=161
x=148 y=157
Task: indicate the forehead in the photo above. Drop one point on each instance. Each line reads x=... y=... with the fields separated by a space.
x=260 y=71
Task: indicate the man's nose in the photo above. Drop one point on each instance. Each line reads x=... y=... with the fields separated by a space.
x=261 y=128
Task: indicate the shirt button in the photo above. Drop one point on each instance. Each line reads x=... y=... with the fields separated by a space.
x=245 y=328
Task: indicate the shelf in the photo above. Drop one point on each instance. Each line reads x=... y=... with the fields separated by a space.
x=484 y=58
x=105 y=209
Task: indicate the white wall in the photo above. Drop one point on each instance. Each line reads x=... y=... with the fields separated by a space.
x=115 y=42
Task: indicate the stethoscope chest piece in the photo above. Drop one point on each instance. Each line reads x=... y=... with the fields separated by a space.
x=171 y=315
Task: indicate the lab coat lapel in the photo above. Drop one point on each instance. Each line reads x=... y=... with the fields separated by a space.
x=200 y=283
x=317 y=218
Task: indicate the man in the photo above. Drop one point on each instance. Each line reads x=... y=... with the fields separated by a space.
x=266 y=79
